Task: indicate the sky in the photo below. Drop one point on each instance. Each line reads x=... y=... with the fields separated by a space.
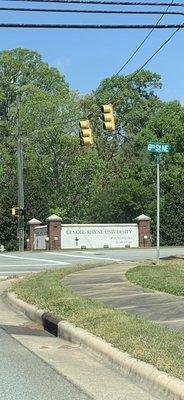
x=86 y=57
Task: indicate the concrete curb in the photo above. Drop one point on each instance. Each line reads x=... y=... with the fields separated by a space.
x=147 y=376
x=30 y=311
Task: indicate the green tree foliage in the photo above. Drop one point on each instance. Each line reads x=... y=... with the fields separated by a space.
x=113 y=181
x=128 y=182
x=47 y=114
x=57 y=171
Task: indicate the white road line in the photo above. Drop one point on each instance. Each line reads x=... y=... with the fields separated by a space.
x=31 y=265
x=13 y=272
x=77 y=256
x=9 y=271
x=86 y=252
x=16 y=272
x=34 y=259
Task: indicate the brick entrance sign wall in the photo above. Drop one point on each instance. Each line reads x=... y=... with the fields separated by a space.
x=92 y=235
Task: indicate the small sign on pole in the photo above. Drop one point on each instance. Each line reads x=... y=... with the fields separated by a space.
x=158 y=148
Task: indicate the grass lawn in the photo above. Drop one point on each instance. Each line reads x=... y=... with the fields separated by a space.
x=142 y=339
x=167 y=277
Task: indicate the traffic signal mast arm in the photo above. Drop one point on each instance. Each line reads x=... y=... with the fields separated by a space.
x=108 y=117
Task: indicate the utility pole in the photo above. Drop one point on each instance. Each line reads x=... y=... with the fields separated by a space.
x=20 y=228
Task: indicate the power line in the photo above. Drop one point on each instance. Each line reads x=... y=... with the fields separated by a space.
x=154 y=54
x=92 y=26
x=146 y=62
x=59 y=10
x=73 y=26
x=107 y=2
x=145 y=39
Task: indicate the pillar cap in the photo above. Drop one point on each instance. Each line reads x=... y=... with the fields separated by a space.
x=34 y=221
x=143 y=217
x=54 y=217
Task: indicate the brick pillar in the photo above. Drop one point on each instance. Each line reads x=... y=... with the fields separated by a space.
x=54 y=232
x=32 y=224
x=144 y=230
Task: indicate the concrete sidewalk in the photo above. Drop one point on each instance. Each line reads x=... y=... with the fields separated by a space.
x=109 y=285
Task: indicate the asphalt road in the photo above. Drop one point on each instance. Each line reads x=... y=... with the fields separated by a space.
x=25 y=376
x=17 y=263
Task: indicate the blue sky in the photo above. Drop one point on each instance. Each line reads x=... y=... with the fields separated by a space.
x=86 y=57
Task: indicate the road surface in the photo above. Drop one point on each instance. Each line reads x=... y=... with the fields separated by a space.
x=17 y=263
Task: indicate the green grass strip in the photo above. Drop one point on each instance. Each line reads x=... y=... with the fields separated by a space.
x=167 y=278
x=142 y=339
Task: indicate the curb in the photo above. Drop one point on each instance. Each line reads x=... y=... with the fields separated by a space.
x=147 y=376
x=30 y=311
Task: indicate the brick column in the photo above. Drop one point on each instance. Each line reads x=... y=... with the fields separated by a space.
x=144 y=230
x=54 y=232
x=32 y=224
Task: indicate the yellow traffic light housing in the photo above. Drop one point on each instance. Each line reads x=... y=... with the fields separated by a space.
x=86 y=137
x=15 y=211
x=108 y=117
x=18 y=211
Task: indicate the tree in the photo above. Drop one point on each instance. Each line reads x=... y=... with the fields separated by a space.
x=128 y=181
x=169 y=118
x=114 y=180
x=47 y=112
x=133 y=100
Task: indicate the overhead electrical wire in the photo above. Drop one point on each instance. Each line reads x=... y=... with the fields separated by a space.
x=90 y=26
x=106 y=2
x=101 y=26
x=166 y=12
x=145 y=39
x=86 y=26
x=153 y=55
x=59 y=10
x=145 y=63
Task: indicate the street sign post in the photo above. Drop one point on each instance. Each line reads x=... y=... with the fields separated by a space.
x=158 y=158
x=158 y=149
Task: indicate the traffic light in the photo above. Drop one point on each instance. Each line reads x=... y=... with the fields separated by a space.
x=160 y=133
x=86 y=137
x=15 y=211
x=18 y=211
x=108 y=117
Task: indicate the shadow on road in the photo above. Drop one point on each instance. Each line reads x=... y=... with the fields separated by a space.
x=173 y=258
x=24 y=330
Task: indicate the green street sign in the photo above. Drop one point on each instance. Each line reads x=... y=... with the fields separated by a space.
x=159 y=148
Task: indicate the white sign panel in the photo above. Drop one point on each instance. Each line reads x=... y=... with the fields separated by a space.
x=94 y=236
